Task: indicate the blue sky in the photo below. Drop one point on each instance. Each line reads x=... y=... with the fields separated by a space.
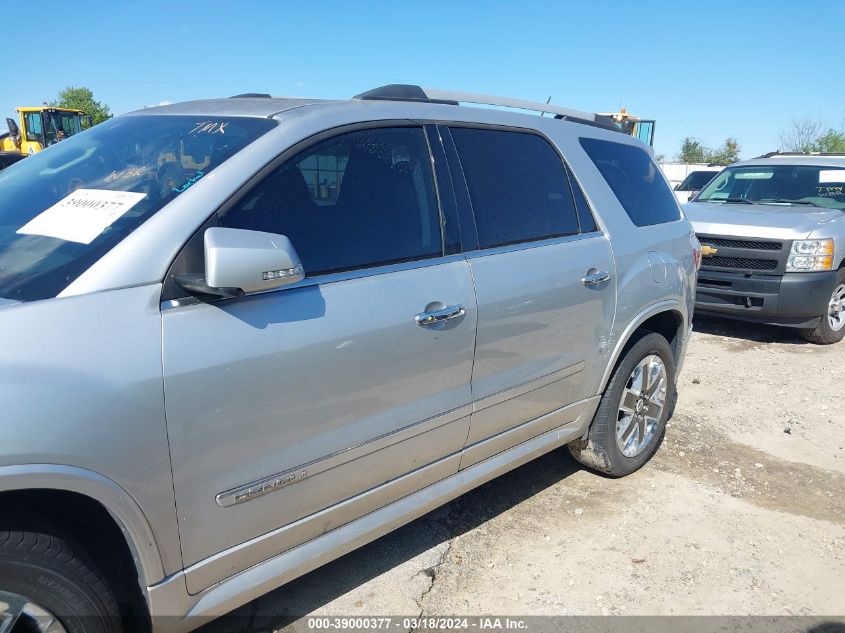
x=710 y=68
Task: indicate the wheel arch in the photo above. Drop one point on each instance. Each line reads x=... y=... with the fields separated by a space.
x=666 y=317
x=117 y=505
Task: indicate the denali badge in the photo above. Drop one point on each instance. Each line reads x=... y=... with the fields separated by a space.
x=259 y=488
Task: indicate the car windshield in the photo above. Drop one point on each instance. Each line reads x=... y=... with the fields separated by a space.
x=696 y=180
x=63 y=208
x=806 y=185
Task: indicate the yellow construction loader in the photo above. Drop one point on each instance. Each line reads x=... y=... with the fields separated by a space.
x=40 y=126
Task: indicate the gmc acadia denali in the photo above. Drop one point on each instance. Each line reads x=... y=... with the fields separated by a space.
x=242 y=337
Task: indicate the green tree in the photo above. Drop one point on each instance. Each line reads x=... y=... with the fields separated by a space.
x=692 y=151
x=81 y=98
x=727 y=154
x=830 y=141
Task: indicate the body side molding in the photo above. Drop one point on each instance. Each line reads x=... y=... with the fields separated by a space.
x=171 y=598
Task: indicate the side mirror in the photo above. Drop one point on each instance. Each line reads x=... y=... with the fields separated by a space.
x=241 y=262
x=14 y=130
x=691 y=196
x=678 y=187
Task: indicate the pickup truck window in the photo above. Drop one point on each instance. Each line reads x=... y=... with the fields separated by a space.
x=62 y=209
x=810 y=185
x=696 y=180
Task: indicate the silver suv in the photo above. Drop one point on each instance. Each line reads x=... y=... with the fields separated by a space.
x=244 y=336
x=773 y=236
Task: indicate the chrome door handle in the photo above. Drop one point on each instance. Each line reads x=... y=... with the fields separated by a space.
x=596 y=278
x=438 y=316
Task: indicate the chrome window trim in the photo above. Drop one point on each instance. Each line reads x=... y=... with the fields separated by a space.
x=521 y=246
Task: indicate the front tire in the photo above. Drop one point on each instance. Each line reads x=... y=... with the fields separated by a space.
x=631 y=417
x=46 y=587
x=831 y=327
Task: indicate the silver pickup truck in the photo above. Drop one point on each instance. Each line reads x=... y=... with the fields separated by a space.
x=772 y=231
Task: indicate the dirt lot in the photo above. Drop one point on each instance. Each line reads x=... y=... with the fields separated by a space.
x=742 y=511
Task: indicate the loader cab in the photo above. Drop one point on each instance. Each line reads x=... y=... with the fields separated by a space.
x=42 y=126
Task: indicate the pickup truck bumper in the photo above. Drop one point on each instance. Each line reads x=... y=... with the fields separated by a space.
x=792 y=299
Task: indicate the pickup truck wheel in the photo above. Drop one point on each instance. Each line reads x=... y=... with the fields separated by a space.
x=631 y=418
x=46 y=588
x=831 y=328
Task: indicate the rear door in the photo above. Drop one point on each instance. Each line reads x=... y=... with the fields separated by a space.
x=544 y=283
x=282 y=405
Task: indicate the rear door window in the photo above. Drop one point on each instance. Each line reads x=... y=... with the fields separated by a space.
x=517 y=185
x=635 y=180
x=360 y=199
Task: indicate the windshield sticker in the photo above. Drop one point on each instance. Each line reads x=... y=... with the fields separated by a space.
x=190 y=182
x=754 y=175
x=831 y=192
x=83 y=215
x=209 y=127
x=831 y=175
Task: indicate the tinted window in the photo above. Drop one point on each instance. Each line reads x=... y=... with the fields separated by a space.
x=696 y=180
x=585 y=215
x=359 y=199
x=9 y=159
x=517 y=184
x=61 y=210
x=636 y=181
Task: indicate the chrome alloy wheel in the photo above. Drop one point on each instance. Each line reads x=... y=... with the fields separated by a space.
x=836 y=309
x=18 y=614
x=641 y=406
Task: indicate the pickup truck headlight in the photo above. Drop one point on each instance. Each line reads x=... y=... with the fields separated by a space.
x=810 y=255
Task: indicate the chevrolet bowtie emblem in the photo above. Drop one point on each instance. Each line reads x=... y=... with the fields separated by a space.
x=707 y=251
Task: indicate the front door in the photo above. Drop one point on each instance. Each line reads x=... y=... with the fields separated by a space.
x=282 y=405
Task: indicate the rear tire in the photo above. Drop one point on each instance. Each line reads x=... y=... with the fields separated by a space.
x=41 y=573
x=619 y=442
x=831 y=327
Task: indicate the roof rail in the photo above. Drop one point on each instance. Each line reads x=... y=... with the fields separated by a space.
x=408 y=92
x=401 y=92
x=252 y=95
x=779 y=153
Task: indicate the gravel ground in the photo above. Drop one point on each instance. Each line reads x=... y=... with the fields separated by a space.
x=741 y=512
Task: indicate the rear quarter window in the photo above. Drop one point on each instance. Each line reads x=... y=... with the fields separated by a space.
x=635 y=180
